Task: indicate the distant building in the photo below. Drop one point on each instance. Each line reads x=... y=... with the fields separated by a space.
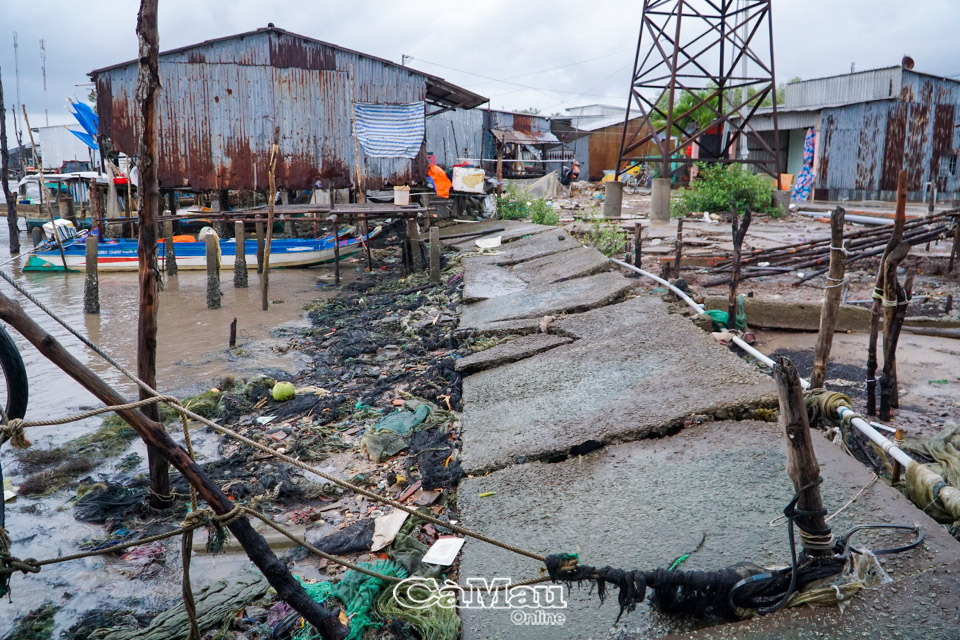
x=221 y=101
x=867 y=126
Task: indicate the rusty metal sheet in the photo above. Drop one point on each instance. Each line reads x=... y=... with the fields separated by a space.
x=827 y=129
x=217 y=119
x=917 y=145
x=943 y=118
x=893 y=148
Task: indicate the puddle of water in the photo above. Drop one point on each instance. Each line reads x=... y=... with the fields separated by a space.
x=192 y=353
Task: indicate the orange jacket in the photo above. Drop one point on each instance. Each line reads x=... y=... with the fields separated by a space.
x=440 y=181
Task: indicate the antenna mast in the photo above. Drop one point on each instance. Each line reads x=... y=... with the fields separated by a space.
x=16 y=118
x=43 y=66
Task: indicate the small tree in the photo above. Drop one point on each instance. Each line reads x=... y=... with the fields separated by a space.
x=721 y=187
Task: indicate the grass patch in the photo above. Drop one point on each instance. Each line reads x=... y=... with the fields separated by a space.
x=514 y=205
x=607 y=237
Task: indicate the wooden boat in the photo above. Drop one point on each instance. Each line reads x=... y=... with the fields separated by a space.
x=121 y=254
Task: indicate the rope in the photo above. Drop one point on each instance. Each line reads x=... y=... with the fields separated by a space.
x=13 y=431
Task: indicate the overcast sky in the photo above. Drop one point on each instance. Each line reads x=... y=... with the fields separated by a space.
x=519 y=41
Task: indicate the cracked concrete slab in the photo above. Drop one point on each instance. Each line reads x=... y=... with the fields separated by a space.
x=512 y=230
x=542 y=243
x=640 y=505
x=576 y=263
x=510 y=351
x=571 y=296
x=641 y=374
x=482 y=280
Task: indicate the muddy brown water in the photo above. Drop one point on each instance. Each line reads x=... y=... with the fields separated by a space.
x=192 y=355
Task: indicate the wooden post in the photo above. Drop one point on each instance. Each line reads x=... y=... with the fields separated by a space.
x=679 y=252
x=171 y=253
x=157 y=439
x=265 y=280
x=240 y=260
x=8 y=195
x=955 y=251
x=892 y=298
x=96 y=209
x=365 y=230
x=637 y=245
x=435 y=254
x=259 y=230
x=897 y=467
x=223 y=199
x=148 y=84
x=44 y=194
x=831 y=299
x=91 y=284
x=739 y=233
x=233 y=333
x=336 y=248
x=802 y=465
x=413 y=239
x=214 y=295
x=499 y=168
x=949 y=306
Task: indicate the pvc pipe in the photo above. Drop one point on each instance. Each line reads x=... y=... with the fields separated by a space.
x=849 y=218
x=877 y=438
x=862 y=425
x=699 y=309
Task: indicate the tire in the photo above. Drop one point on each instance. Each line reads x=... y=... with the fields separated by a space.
x=14 y=376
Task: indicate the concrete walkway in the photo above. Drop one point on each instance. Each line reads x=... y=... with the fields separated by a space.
x=629 y=436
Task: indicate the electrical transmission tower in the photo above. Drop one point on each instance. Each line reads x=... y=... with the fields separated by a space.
x=701 y=71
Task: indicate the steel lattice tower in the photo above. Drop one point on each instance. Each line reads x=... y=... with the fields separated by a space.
x=717 y=57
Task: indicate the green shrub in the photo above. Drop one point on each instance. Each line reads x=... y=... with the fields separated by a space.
x=511 y=205
x=607 y=238
x=720 y=188
x=542 y=213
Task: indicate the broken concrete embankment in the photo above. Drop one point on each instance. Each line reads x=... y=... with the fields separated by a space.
x=620 y=373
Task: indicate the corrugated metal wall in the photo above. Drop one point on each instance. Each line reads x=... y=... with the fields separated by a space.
x=864 y=86
x=863 y=147
x=454 y=135
x=221 y=101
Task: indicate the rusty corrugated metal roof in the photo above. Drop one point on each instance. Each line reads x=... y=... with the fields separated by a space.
x=439 y=91
x=526 y=137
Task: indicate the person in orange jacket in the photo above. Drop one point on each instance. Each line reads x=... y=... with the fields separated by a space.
x=440 y=181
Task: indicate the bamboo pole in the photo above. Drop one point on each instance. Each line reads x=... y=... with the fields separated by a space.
x=44 y=194
x=831 y=299
x=156 y=437
x=148 y=84
x=265 y=280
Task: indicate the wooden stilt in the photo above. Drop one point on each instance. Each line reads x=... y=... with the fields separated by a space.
x=171 y=254
x=272 y=175
x=240 y=261
x=148 y=84
x=260 y=241
x=91 y=285
x=739 y=233
x=637 y=245
x=679 y=248
x=831 y=299
x=214 y=295
x=435 y=254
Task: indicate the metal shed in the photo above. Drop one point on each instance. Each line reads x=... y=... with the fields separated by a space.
x=222 y=99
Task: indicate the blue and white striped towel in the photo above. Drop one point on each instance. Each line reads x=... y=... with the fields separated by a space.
x=390 y=130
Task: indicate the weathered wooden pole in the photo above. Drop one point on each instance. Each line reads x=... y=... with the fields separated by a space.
x=223 y=202
x=637 y=245
x=171 y=253
x=831 y=299
x=214 y=294
x=91 y=283
x=233 y=333
x=413 y=240
x=96 y=210
x=148 y=84
x=336 y=248
x=891 y=299
x=260 y=239
x=156 y=437
x=265 y=280
x=679 y=251
x=44 y=194
x=802 y=465
x=955 y=251
x=8 y=195
x=435 y=254
x=949 y=305
x=240 y=261
x=739 y=233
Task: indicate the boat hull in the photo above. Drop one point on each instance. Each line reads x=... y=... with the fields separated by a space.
x=121 y=255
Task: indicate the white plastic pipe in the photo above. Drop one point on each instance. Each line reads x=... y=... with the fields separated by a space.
x=849 y=217
x=699 y=309
x=862 y=425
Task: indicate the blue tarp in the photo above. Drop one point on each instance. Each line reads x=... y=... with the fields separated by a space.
x=87 y=119
x=390 y=130
x=85 y=137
